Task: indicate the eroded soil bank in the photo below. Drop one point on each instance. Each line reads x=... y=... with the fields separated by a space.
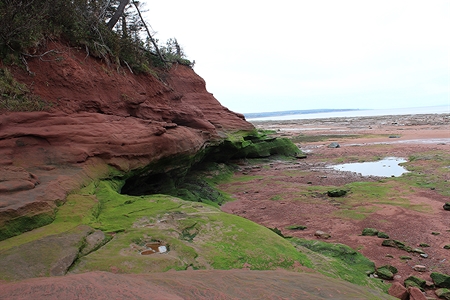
x=408 y=208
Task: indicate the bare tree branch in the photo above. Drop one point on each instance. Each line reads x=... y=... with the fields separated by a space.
x=149 y=34
x=118 y=13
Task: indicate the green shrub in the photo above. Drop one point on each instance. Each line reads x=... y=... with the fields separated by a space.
x=27 y=24
x=15 y=96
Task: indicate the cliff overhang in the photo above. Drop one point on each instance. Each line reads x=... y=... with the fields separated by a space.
x=105 y=121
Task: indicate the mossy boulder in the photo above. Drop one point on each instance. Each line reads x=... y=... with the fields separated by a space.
x=369 y=232
x=443 y=293
x=440 y=280
x=382 y=235
x=413 y=281
x=386 y=272
x=336 y=193
x=389 y=243
x=396 y=244
x=252 y=144
x=447 y=206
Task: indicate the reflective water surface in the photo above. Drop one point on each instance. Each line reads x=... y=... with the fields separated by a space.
x=386 y=167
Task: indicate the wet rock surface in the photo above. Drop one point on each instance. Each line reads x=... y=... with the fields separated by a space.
x=202 y=284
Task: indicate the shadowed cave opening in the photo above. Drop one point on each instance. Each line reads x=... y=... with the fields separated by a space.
x=192 y=185
x=194 y=178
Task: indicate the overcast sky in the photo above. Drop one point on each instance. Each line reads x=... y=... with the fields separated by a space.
x=258 y=56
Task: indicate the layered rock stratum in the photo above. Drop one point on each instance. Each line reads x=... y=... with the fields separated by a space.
x=100 y=116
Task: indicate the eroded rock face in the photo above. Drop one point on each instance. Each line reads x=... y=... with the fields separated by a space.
x=100 y=117
x=28 y=261
x=14 y=179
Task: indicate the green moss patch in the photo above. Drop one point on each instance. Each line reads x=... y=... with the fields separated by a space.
x=19 y=225
x=340 y=261
x=198 y=236
x=428 y=170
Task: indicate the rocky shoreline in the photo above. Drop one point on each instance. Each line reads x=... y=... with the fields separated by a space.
x=406 y=208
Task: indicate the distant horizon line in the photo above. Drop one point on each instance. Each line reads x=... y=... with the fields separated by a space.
x=326 y=110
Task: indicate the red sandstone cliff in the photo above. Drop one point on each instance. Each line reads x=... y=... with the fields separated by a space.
x=101 y=115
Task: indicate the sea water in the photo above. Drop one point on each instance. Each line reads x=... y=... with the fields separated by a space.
x=442 y=109
x=387 y=167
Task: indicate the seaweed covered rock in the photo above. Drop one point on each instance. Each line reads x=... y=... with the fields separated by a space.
x=443 y=293
x=414 y=281
x=440 y=280
x=382 y=235
x=369 y=232
x=397 y=244
x=252 y=144
x=386 y=272
x=336 y=193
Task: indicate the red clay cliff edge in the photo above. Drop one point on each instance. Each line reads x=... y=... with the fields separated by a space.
x=101 y=116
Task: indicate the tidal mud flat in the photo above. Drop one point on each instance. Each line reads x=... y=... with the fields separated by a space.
x=409 y=208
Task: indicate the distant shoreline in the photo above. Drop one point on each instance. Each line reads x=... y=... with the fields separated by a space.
x=347 y=113
x=293 y=112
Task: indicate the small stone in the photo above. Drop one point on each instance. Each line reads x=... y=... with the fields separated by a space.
x=397 y=277
x=404 y=257
x=417 y=250
x=300 y=155
x=424 y=255
x=420 y=268
x=334 y=145
x=321 y=234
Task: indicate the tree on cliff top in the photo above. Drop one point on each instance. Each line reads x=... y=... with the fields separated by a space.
x=25 y=25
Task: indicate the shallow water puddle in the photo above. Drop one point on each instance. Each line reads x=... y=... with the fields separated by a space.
x=154 y=247
x=387 y=167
